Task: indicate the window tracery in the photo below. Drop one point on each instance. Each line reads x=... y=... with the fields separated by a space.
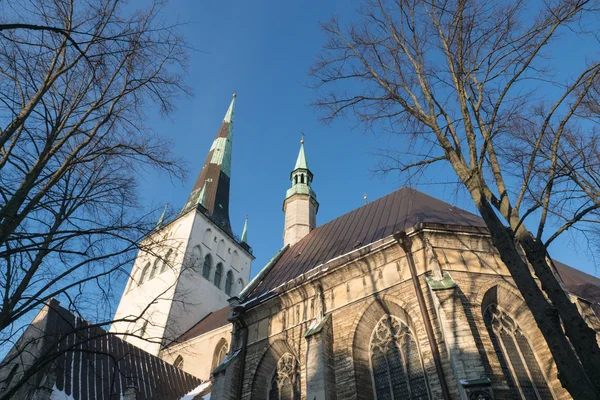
x=522 y=372
x=396 y=367
x=285 y=383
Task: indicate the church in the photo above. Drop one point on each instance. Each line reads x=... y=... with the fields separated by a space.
x=402 y=298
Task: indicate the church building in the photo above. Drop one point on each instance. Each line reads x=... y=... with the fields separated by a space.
x=402 y=298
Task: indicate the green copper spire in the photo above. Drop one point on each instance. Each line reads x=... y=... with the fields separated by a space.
x=244 y=238
x=161 y=220
x=211 y=189
x=229 y=115
x=301 y=176
x=301 y=161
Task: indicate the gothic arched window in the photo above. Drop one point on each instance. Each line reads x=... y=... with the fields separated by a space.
x=522 y=372
x=144 y=273
x=218 y=275
x=396 y=366
x=207 y=266
x=196 y=258
x=178 y=363
x=228 y=282
x=167 y=261
x=285 y=383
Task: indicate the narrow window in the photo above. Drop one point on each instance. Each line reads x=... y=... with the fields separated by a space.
x=228 y=282
x=285 y=382
x=167 y=261
x=178 y=363
x=207 y=266
x=222 y=353
x=144 y=273
x=218 y=274
x=522 y=372
x=397 y=370
x=302 y=178
x=154 y=268
x=196 y=259
x=143 y=329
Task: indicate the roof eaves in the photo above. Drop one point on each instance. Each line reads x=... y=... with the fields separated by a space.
x=254 y=282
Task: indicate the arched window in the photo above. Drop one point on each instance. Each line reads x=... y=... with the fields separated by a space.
x=220 y=352
x=522 y=372
x=218 y=275
x=285 y=382
x=396 y=367
x=228 y=282
x=196 y=259
x=154 y=268
x=302 y=178
x=235 y=260
x=178 y=363
x=167 y=262
x=143 y=329
x=207 y=266
x=144 y=273
x=296 y=179
x=207 y=238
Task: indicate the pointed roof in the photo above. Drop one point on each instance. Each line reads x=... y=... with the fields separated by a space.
x=399 y=210
x=301 y=162
x=244 y=238
x=211 y=189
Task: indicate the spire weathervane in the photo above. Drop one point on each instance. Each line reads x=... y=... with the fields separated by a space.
x=302 y=140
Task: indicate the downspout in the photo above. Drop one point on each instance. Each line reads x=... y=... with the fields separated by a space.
x=239 y=317
x=405 y=243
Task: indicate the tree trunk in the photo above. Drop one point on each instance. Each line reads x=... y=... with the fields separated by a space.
x=570 y=371
x=580 y=334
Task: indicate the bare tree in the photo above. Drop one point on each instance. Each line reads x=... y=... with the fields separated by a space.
x=77 y=79
x=468 y=84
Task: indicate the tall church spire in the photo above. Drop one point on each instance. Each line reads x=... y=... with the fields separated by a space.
x=211 y=190
x=300 y=205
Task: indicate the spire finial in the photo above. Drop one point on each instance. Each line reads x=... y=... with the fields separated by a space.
x=161 y=220
x=302 y=140
x=365 y=197
x=229 y=115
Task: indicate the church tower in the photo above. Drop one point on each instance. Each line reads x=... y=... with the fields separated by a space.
x=300 y=205
x=190 y=266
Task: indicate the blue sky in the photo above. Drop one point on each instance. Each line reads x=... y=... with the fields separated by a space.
x=263 y=50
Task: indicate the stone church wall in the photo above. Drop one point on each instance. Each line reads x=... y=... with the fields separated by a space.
x=355 y=295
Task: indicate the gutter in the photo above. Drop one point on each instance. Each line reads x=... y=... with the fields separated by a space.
x=405 y=243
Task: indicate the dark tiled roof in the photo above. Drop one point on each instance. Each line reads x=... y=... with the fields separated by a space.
x=580 y=283
x=212 y=321
x=400 y=210
x=94 y=364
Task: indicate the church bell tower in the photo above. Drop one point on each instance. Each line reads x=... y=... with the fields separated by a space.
x=190 y=266
x=300 y=205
